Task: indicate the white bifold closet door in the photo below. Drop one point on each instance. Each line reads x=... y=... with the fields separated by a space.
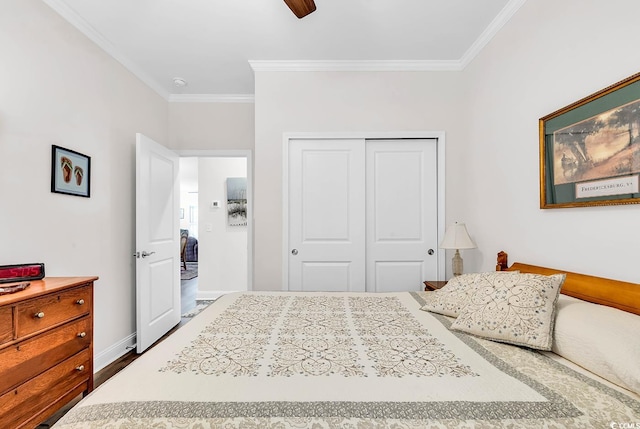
x=362 y=214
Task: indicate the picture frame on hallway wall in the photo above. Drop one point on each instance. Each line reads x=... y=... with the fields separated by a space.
x=590 y=150
x=70 y=172
x=237 y=201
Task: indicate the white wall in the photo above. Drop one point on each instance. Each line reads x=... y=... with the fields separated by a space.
x=222 y=249
x=211 y=126
x=57 y=87
x=338 y=102
x=546 y=57
x=549 y=55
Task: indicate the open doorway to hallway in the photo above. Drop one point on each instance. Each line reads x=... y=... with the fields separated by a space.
x=214 y=209
x=188 y=233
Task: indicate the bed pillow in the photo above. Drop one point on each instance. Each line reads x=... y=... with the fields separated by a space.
x=450 y=299
x=601 y=339
x=454 y=296
x=513 y=308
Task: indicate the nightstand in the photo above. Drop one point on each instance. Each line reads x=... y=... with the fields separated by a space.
x=434 y=284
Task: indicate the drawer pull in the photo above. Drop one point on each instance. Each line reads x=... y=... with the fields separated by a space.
x=39 y=315
x=80 y=301
x=82 y=334
x=80 y=368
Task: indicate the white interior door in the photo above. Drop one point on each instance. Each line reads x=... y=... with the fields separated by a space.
x=326 y=203
x=157 y=241
x=402 y=213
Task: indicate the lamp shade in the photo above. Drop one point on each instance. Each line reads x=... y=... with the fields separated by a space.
x=457 y=237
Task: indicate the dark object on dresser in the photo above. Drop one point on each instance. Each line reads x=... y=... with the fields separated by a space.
x=5 y=290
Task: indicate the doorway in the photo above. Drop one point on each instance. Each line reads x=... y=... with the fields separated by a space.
x=221 y=250
x=189 y=243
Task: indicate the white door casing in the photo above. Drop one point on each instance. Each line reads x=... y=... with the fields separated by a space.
x=157 y=241
x=401 y=214
x=326 y=232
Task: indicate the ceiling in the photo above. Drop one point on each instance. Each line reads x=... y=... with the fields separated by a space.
x=215 y=45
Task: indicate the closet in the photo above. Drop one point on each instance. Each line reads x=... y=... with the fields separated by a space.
x=362 y=214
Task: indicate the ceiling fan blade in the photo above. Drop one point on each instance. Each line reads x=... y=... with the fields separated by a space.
x=301 y=8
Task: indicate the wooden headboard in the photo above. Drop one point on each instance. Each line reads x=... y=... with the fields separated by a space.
x=613 y=293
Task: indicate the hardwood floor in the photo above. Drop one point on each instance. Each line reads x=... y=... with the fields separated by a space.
x=188 y=292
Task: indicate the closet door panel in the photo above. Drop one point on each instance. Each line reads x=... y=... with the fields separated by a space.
x=401 y=214
x=326 y=215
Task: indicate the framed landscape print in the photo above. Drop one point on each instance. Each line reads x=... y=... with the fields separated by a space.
x=237 y=201
x=590 y=150
x=70 y=172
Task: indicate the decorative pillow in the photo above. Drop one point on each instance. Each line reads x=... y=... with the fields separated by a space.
x=601 y=339
x=513 y=308
x=454 y=296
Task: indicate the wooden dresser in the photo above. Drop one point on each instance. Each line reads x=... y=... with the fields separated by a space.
x=46 y=348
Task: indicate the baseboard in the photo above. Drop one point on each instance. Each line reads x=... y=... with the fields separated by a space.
x=211 y=295
x=114 y=352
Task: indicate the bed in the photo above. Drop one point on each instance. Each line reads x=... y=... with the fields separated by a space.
x=361 y=360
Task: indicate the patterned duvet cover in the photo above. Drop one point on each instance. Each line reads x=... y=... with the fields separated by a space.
x=336 y=360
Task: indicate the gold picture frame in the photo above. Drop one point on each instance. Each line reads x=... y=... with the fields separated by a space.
x=590 y=150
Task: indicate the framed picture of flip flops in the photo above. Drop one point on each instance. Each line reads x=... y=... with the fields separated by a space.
x=70 y=172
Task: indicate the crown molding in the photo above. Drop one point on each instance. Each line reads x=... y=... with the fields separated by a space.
x=212 y=98
x=492 y=29
x=305 y=66
x=83 y=26
x=285 y=65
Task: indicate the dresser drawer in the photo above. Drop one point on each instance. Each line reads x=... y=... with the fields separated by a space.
x=41 y=313
x=6 y=324
x=31 y=357
x=38 y=394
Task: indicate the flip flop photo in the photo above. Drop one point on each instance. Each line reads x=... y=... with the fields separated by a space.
x=67 y=168
x=79 y=173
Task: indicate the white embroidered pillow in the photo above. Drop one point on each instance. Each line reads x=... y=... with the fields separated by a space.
x=450 y=299
x=454 y=296
x=513 y=308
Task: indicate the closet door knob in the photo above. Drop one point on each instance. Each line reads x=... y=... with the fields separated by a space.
x=294 y=252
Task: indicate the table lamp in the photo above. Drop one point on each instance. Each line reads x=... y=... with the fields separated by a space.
x=456 y=237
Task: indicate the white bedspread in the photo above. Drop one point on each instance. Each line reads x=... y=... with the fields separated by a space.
x=339 y=359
